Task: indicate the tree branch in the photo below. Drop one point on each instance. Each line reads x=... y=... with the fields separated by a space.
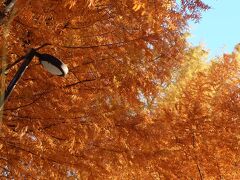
x=9 y=4
x=9 y=66
x=79 y=82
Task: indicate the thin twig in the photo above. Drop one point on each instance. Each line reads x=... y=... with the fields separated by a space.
x=79 y=82
x=200 y=173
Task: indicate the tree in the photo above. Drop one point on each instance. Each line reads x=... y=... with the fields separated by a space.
x=202 y=109
x=138 y=102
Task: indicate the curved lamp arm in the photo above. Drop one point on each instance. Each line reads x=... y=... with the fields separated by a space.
x=49 y=62
x=9 y=66
x=28 y=58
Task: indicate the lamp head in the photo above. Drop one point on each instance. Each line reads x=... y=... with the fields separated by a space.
x=52 y=64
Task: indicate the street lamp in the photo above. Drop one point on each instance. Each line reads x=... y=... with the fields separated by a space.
x=49 y=62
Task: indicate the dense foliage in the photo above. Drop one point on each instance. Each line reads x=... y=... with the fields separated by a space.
x=137 y=102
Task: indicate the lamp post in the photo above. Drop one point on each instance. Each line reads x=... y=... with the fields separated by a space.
x=49 y=62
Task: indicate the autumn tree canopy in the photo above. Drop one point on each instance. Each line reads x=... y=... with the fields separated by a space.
x=137 y=102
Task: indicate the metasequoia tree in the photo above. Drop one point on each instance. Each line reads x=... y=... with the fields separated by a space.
x=201 y=108
x=136 y=103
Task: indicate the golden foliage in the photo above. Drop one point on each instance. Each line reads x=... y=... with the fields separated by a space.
x=137 y=101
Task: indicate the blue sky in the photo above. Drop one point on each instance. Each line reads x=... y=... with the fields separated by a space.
x=219 y=28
